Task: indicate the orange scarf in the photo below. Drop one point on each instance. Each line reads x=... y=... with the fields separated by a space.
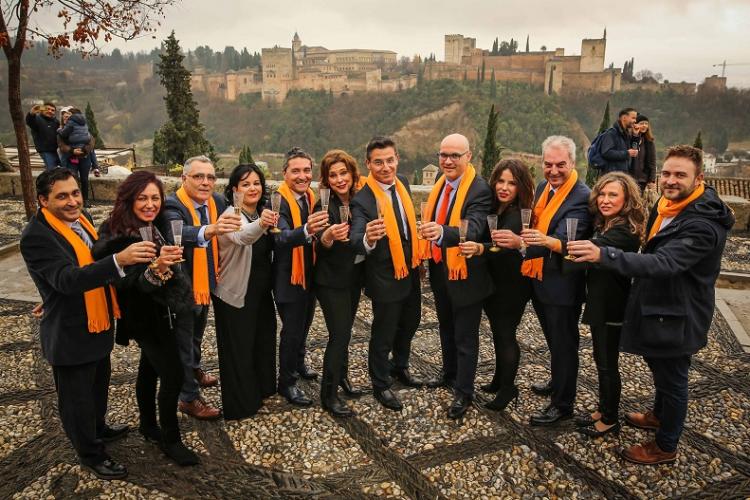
x=543 y=214
x=401 y=270
x=201 y=289
x=361 y=182
x=454 y=260
x=298 y=253
x=667 y=208
x=95 y=300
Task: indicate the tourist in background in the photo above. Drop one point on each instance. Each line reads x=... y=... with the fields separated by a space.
x=619 y=222
x=150 y=297
x=76 y=156
x=644 y=165
x=615 y=146
x=43 y=123
x=339 y=274
x=243 y=305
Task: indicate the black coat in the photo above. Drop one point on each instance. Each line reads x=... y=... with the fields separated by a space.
x=478 y=285
x=284 y=243
x=380 y=282
x=335 y=267
x=560 y=286
x=61 y=282
x=671 y=302
x=644 y=165
x=43 y=132
x=606 y=290
x=505 y=265
x=614 y=149
x=145 y=308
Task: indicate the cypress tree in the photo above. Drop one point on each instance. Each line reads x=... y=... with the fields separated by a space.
x=493 y=85
x=592 y=173
x=698 y=143
x=527 y=43
x=478 y=77
x=93 y=129
x=246 y=155
x=483 y=69
x=491 y=152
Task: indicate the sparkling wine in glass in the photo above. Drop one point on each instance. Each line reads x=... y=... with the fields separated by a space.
x=422 y=218
x=176 y=226
x=571 y=225
x=381 y=202
x=147 y=232
x=325 y=197
x=275 y=207
x=463 y=232
x=526 y=222
x=237 y=199
x=344 y=216
x=492 y=224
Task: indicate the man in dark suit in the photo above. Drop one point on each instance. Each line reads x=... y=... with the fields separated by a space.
x=295 y=301
x=557 y=295
x=76 y=330
x=198 y=207
x=458 y=300
x=396 y=302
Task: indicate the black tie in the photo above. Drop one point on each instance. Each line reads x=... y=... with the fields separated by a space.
x=209 y=249
x=550 y=195
x=304 y=211
x=397 y=212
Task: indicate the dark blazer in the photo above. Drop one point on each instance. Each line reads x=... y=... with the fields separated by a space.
x=505 y=266
x=284 y=243
x=380 y=283
x=671 y=302
x=335 y=267
x=53 y=266
x=607 y=291
x=478 y=284
x=558 y=287
x=144 y=307
x=175 y=210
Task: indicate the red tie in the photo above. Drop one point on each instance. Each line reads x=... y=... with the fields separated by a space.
x=437 y=255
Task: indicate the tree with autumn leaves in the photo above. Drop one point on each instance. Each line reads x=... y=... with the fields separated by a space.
x=80 y=25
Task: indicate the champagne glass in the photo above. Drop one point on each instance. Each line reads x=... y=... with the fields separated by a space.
x=177 y=234
x=422 y=218
x=325 y=197
x=237 y=198
x=275 y=207
x=571 y=225
x=526 y=222
x=381 y=202
x=492 y=223
x=147 y=232
x=344 y=215
x=463 y=232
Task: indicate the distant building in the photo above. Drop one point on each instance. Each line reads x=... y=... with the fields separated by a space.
x=429 y=174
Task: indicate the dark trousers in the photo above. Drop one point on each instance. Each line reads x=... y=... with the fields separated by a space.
x=560 y=327
x=505 y=315
x=393 y=327
x=296 y=318
x=160 y=359
x=671 y=398
x=189 y=328
x=339 y=307
x=82 y=392
x=81 y=169
x=50 y=158
x=606 y=340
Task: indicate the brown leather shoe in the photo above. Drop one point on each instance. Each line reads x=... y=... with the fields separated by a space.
x=199 y=409
x=648 y=454
x=204 y=379
x=646 y=420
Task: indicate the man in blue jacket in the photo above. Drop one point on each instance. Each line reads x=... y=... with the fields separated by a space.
x=615 y=146
x=671 y=302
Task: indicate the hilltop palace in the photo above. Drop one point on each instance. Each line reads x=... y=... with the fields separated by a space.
x=345 y=71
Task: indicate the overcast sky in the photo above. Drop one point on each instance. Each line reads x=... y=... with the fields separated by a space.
x=681 y=39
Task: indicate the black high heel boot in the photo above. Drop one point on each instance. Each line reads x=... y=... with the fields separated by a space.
x=503 y=398
x=491 y=387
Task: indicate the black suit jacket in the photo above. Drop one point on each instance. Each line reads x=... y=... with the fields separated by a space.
x=558 y=287
x=380 y=282
x=335 y=267
x=52 y=264
x=284 y=243
x=478 y=284
x=175 y=210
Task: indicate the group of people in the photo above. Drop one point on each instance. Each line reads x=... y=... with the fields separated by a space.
x=66 y=142
x=158 y=262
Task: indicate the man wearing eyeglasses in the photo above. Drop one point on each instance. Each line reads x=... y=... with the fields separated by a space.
x=459 y=284
x=197 y=206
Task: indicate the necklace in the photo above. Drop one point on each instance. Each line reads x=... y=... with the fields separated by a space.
x=251 y=217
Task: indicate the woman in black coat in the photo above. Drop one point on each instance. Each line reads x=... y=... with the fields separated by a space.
x=644 y=165
x=150 y=297
x=338 y=278
x=619 y=221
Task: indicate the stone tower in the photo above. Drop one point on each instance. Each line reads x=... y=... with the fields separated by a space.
x=296 y=45
x=592 y=55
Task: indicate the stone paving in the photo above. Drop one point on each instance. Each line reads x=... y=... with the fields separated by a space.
x=286 y=452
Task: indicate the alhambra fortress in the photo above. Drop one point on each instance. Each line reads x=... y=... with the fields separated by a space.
x=344 y=71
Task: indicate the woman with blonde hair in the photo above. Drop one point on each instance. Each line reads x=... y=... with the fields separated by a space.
x=620 y=222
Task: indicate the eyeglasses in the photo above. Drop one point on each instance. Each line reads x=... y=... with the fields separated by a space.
x=453 y=156
x=203 y=177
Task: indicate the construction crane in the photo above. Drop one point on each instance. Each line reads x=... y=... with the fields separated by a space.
x=724 y=66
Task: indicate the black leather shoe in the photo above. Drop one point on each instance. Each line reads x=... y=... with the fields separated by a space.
x=591 y=431
x=491 y=387
x=307 y=373
x=441 y=381
x=113 y=432
x=544 y=389
x=403 y=376
x=336 y=407
x=108 y=470
x=181 y=454
x=150 y=434
x=349 y=390
x=550 y=416
x=295 y=396
x=388 y=399
x=584 y=420
x=503 y=398
x=459 y=406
